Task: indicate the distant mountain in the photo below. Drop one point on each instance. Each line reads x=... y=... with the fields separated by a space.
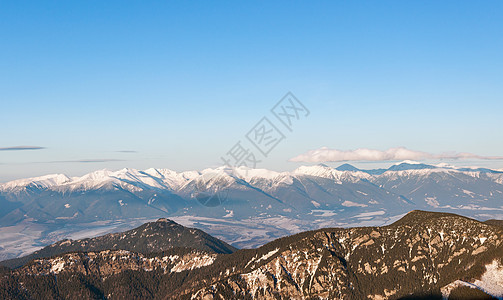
x=150 y=237
x=424 y=255
x=347 y=167
x=254 y=206
x=403 y=166
x=408 y=166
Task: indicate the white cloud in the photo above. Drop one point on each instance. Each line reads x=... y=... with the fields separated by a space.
x=325 y=154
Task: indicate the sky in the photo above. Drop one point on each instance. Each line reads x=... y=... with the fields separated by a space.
x=88 y=85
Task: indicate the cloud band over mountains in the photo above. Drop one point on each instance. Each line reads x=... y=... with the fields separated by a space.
x=325 y=154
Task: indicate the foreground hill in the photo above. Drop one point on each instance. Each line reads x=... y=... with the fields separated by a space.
x=150 y=237
x=424 y=254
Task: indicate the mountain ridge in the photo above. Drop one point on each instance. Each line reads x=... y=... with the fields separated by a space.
x=105 y=174
x=156 y=236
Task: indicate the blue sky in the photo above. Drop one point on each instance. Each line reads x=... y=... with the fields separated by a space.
x=177 y=84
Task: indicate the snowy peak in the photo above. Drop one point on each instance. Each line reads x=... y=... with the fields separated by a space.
x=318 y=171
x=166 y=179
x=42 y=182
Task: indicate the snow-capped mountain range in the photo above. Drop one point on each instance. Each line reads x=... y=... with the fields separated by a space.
x=165 y=179
x=254 y=205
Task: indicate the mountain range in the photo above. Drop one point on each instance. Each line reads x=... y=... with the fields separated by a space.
x=244 y=207
x=423 y=255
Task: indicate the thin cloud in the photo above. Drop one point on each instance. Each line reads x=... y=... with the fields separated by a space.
x=81 y=161
x=85 y=161
x=21 y=148
x=127 y=151
x=325 y=154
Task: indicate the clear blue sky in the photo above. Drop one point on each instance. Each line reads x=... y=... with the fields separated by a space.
x=180 y=83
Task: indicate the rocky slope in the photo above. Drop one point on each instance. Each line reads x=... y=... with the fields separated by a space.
x=422 y=255
x=150 y=237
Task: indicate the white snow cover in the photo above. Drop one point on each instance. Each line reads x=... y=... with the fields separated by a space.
x=58 y=265
x=268 y=254
x=492 y=280
x=165 y=179
x=319 y=171
x=42 y=182
x=193 y=263
x=353 y=204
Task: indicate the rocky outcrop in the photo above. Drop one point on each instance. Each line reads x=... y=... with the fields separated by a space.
x=111 y=262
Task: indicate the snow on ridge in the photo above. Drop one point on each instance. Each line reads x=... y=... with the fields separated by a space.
x=244 y=172
x=45 y=181
x=248 y=173
x=193 y=263
x=175 y=181
x=419 y=172
x=318 y=171
x=267 y=255
x=491 y=282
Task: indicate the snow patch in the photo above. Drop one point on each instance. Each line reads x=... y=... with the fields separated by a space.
x=469 y=193
x=193 y=263
x=492 y=280
x=353 y=204
x=370 y=214
x=267 y=255
x=432 y=201
x=57 y=265
x=323 y=213
x=230 y=214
